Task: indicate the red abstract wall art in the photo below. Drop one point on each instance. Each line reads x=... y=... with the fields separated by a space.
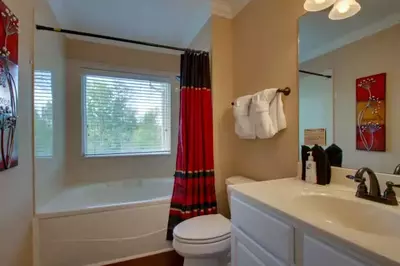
x=371 y=113
x=9 y=31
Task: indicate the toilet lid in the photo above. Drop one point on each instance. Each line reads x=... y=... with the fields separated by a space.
x=203 y=229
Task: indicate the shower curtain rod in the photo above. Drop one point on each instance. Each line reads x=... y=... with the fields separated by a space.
x=315 y=74
x=105 y=37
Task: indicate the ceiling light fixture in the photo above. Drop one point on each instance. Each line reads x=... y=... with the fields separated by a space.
x=344 y=9
x=317 y=5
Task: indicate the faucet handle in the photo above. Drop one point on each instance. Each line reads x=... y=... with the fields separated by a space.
x=389 y=193
x=362 y=188
x=390 y=184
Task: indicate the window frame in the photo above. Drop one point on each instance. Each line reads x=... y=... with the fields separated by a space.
x=51 y=155
x=124 y=75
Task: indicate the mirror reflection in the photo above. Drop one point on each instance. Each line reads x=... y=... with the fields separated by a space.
x=349 y=84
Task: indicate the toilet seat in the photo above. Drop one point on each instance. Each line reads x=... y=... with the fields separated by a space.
x=202 y=241
x=206 y=229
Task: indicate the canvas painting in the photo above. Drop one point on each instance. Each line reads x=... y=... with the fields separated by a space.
x=371 y=113
x=9 y=31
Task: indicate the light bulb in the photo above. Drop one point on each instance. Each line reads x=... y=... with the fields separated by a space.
x=343 y=7
x=317 y=5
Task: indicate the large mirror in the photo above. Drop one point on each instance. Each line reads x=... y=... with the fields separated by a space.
x=350 y=83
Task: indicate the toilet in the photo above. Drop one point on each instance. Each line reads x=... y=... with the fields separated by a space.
x=206 y=240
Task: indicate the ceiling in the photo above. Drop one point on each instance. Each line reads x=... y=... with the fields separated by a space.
x=167 y=22
x=320 y=35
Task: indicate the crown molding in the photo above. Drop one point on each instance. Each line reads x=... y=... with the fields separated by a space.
x=228 y=8
x=221 y=8
x=238 y=5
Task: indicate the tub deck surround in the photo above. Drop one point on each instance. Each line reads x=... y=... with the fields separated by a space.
x=89 y=198
x=286 y=198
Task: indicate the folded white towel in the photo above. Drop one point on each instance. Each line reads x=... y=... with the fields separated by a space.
x=277 y=112
x=267 y=113
x=243 y=126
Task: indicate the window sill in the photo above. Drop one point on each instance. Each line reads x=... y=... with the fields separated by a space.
x=117 y=155
x=46 y=157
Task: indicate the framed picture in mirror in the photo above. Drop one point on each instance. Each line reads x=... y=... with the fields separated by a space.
x=9 y=31
x=371 y=111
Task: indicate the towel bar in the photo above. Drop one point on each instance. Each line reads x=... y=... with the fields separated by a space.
x=286 y=91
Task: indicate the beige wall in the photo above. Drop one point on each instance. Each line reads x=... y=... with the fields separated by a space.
x=222 y=92
x=265 y=56
x=371 y=55
x=89 y=55
x=16 y=185
x=50 y=56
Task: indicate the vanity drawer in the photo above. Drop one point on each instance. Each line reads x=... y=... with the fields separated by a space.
x=267 y=231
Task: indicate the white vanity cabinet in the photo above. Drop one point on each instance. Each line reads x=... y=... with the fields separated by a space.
x=316 y=253
x=253 y=228
x=245 y=257
x=246 y=251
x=262 y=237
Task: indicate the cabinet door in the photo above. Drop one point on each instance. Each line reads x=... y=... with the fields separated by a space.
x=268 y=231
x=317 y=253
x=245 y=252
x=245 y=257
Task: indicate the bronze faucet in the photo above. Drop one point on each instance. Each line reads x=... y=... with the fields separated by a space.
x=397 y=170
x=374 y=194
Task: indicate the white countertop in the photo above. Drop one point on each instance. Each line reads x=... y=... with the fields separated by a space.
x=283 y=195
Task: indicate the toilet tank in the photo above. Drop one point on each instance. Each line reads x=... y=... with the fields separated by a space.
x=235 y=180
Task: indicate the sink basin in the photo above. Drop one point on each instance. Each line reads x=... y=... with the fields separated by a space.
x=356 y=215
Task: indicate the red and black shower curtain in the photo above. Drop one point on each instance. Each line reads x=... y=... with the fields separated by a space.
x=194 y=187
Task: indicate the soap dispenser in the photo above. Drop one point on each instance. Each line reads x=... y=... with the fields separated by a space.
x=311 y=169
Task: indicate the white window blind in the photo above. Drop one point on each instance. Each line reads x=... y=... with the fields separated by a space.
x=43 y=105
x=126 y=116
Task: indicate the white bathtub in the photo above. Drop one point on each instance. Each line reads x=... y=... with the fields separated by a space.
x=103 y=222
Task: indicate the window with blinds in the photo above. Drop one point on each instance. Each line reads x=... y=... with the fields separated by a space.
x=126 y=116
x=43 y=106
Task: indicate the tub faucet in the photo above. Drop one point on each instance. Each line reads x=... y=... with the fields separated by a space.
x=374 y=194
